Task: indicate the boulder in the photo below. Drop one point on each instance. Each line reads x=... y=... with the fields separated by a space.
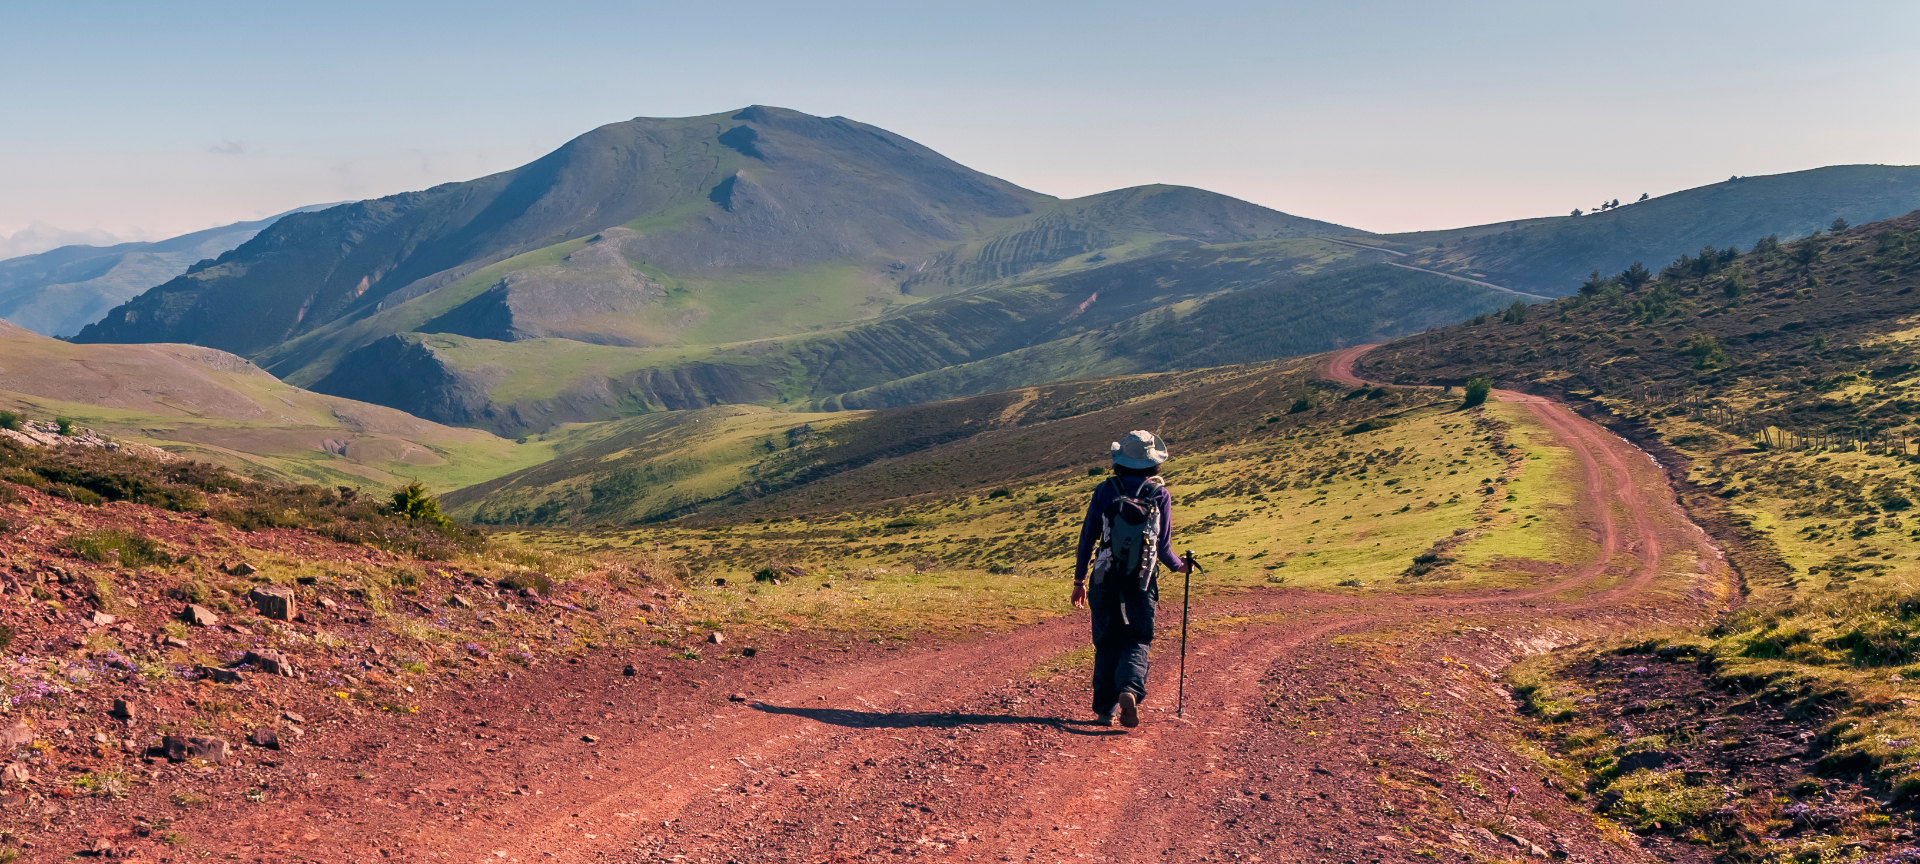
x=180 y=748
x=15 y=772
x=270 y=661
x=122 y=709
x=102 y=619
x=241 y=568
x=275 y=602
x=264 y=737
x=218 y=675
x=459 y=602
x=199 y=616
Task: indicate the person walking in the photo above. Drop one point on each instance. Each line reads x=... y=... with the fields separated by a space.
x=1125 y=539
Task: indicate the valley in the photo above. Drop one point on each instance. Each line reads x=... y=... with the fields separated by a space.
x=707 y=490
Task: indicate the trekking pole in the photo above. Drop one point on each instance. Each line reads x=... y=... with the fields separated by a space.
x=1186 y=603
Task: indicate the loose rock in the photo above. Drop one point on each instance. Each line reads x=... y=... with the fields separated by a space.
x=122 y=709
x=218 y=675
x=736 y=697
x=275 y=602
x=459 y=602
x=15 y=772
x=716 y=639
x=749 y=652
x=199 y=616
x=17 y=734
x=264 y=737
x=102 y=619
x=270 y=661
x=630 y=671
x=180 y=748
x=241 y=568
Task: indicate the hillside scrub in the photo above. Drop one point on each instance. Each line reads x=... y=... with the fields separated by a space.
x=95 y=476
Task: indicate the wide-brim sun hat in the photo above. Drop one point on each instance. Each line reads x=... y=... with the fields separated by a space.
x=1140 y=449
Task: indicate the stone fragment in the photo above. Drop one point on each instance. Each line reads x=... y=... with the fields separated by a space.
x=275 y=602
x=328 y=604
x=180 y=748
x=736 y=697
x=15 y=772
x=749 y=652
x=218 y=675
x=716 y=639
x=17 y=734
x=102 y=619
x=264 y=737
x=459 y=602
x=172 y=642
x=590 y=738
x=199 y=616
x=122 y=709
x=293 y=717
x=102 y=848
x=242 y=568
x=270 y=661
x=1527 y=846
x=629 y=671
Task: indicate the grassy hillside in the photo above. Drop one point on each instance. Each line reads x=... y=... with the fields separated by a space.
x=732 y=463
x=1780 y=383
x=213 y=406
x=1553 y=256
x=517 y=386
x=1287 y=317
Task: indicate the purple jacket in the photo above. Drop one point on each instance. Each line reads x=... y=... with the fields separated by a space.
x=1097 y=508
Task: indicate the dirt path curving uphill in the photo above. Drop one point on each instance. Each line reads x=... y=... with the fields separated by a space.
x=1319 y=727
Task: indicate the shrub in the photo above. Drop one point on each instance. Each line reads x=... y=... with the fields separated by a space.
x=999 y=493
x=1096 y=471
x=10 y=420
x=65 y=424
x=110 y=546
x=521 y=581
x=413 y=502
x=1300 y=404
x=1478 y=389
x=1706 y=351
x=1369 y=425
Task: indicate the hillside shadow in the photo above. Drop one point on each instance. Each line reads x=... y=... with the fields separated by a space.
x=929 y=719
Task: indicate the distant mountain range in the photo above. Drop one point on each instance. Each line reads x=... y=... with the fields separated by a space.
x=773 y=257
x=1553 y=256
x=59 y=291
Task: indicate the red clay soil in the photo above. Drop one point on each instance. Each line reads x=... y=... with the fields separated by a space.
x=1317 y=728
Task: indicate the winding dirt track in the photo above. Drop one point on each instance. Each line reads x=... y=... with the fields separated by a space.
x=1319 y=727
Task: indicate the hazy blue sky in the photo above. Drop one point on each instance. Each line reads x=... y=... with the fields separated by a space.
x=156 y=118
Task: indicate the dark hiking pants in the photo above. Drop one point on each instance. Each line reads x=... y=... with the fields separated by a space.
x=1122 y=639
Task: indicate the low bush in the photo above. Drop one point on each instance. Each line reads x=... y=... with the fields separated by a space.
x=110 y=546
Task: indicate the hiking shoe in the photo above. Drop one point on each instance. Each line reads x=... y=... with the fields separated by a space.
x=1129 y=710
x=1103 y=719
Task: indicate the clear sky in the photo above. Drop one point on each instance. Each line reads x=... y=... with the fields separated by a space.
x=147 y=119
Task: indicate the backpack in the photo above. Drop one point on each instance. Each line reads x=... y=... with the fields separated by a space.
x=1130 y=535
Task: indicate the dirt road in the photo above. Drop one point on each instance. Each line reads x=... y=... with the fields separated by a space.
x=1319 y=728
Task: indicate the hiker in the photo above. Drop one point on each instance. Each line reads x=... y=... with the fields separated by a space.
x=1129 y=522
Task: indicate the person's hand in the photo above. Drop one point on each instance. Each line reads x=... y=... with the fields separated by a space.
x=1079 y=596
x=1186 y=566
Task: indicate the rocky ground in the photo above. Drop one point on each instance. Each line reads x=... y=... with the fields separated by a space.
x=1317 y=727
